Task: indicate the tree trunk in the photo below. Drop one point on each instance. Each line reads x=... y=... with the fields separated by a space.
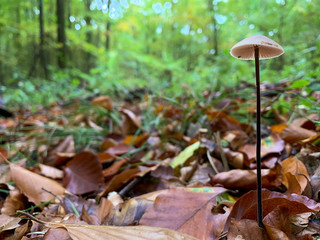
x=89 y=39
x=108 y=29
x=43 y=55
x=215 y=27
x=62 y=50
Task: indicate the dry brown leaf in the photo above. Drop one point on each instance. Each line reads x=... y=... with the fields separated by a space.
x=120 y=179
x=50 y=172
x=114 y=168
x=129 y=213
x=15 y=201
x=64 y=146
x=247 y=179
x=31 y=185
x=245 y=229
x=93 y=232
x=8 y=223
x=294 y=134
x=103 y=101
x=277 y=224
x=57 y=234
x=130 y=123
x=108 y=143
x=83 y=174
x=185 y=209
x=294 y=175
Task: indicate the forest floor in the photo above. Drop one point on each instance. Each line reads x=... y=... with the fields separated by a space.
x=150 y=167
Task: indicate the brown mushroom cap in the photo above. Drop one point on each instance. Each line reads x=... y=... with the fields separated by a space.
x=267 y=48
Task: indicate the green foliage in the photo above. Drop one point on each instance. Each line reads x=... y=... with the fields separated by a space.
x=154 y=47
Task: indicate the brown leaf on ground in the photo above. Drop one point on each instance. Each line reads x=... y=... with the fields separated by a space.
x=277 y=224
x=294 y=133
x=105 y=157
x=136 y=141
x=103 y=101
x=294 y=175
x=246 y=206
x=129 y=213
x=114 y=168
x=50 y=172
x=271 y=144
x=119 y=149
x=4 y=152
x=245 y=229
x=31 y=185
x=130 y=123
x=64 y=146
x=93 y=232
x=247 y=179
x=108 y=143
x=83 y=174
x=15 y=201
x=8 y=223
x=185 y=210
x=120 y=179
x=57 y=234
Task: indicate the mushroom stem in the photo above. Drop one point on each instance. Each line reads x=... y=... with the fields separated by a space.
x=258 y=130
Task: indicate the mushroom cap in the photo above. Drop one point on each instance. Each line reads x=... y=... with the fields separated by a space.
x=267 y=48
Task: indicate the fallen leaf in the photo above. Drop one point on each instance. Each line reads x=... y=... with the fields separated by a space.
x=15 y=201
x=50 y=172
x=277 y=224
x=246 y=205
x=187 y=210
x=83 y=174
x=137 y=141
x=295 y=175
x=247 y=179
x=120 y=179
x=245 y=229
x=269 y=145
x=294 y=134
x=108 y=143
x=8 y=223
x=130 y=123
x=184 y=155
x=64 y=146
x=93 y=232
x=114 y=168
x=119 y=149
x=128 y=213
x=31 y=185
x=103 y=101
x=57 y=234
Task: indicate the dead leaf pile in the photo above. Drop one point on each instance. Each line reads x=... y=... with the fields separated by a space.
x=158 y=168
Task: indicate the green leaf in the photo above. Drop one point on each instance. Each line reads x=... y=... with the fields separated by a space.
x=300 y=83
x=184 y=155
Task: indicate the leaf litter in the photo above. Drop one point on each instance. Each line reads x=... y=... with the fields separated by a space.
x=157 y=168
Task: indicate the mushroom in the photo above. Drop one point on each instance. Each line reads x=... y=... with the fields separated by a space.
x=255 y=48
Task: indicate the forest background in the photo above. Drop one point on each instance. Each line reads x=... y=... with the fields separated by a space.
x=56 y=50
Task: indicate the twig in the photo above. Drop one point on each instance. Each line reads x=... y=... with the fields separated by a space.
x=31 y=217
x=223 y=156
x=4 y=158
x=211 y=162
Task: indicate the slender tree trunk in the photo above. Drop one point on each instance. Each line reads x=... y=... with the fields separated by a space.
x=280 y=35
x=215 y=27
x=108 y=29
x=43 y=55
x=69 y=14
x=89 y=39
x=62 y=50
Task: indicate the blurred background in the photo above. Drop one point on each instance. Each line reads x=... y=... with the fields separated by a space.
x=57 y=50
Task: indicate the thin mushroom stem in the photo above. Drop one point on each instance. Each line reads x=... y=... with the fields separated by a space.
x=258 y=146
